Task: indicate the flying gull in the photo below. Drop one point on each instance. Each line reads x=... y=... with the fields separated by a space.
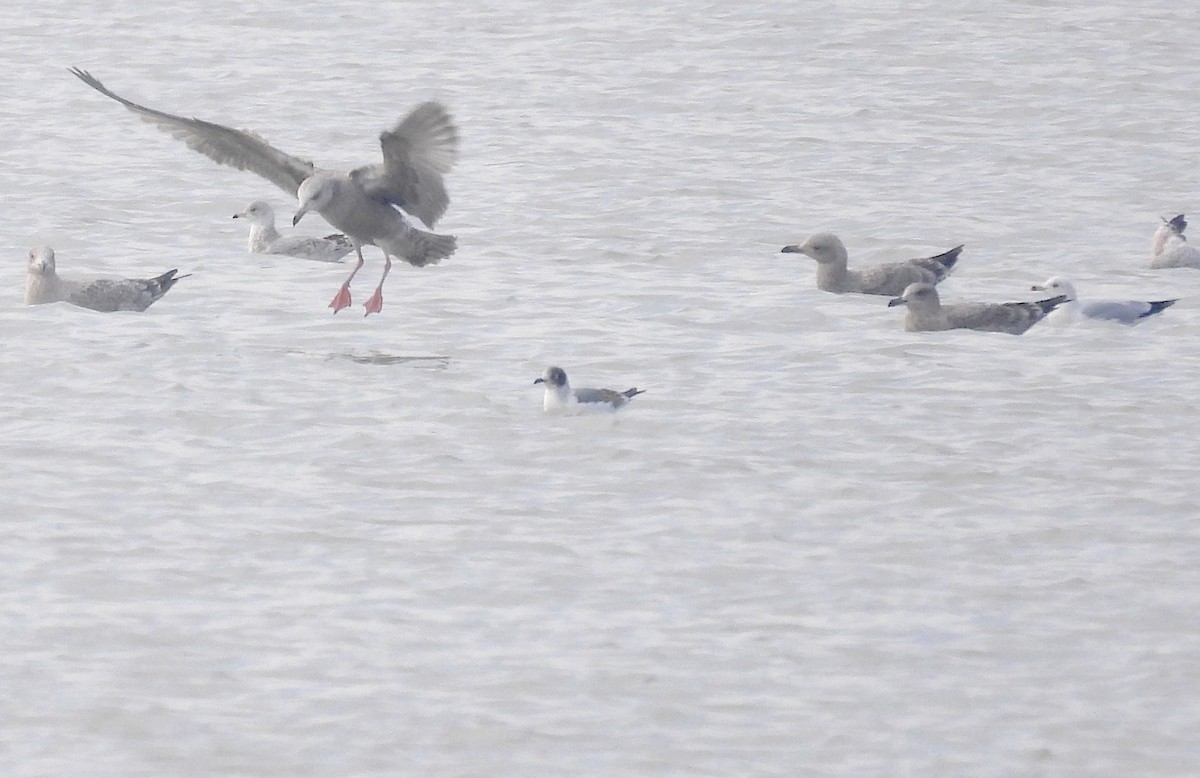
x=926 y=312
x=1123 y=311
x=560 y=397
x=417 y=152
x=265 y=239
x=1169 y=248
x=44 y=285
x=890 y=279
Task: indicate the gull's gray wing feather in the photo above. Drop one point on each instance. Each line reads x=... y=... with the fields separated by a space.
x=417 y=152
x=239 y=149
x=609 y=396
x=894 y=278
x=1013 y=318
x=1124 y=311
x=108 y=295
x=331 y=248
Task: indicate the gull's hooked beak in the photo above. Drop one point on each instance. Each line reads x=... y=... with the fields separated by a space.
x=240 y=215
x=892 y=303
x=299 y=214
x=1038 y=288
x=539 y=381
x=791 y=250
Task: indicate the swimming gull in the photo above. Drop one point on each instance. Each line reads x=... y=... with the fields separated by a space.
x=1123 y=311
x=890 y=279
x=1169 y=248
x=265 y=239
x=560 y=397
x=362 y=203
x=44 y=285
x=926 y=312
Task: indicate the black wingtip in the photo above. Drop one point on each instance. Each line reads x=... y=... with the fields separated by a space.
x=634 y=392
x=1158 y=307
x=948 y=258
x=1050 y=304
x=168 y=279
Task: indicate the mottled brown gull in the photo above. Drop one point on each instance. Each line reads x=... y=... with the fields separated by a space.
x=265 y=239
x=44 y=285
x=1123 y=311
x=926 y=312
x=833 y=275
x=417 y=152
x=1169 y=247
x=559 y=396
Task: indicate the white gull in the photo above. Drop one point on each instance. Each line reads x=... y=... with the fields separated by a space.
x=1123 y=311
x=1169 y=248
x=559 y=396
x=265 y=239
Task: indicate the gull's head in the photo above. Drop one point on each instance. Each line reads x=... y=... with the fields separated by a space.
x=554 y=376
x=258 y=212
x=916 y=296
x=1056 y=286
x=315 y=193
x=824 y=247
x=41 y=261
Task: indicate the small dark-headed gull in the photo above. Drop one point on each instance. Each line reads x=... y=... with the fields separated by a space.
x=1169 y=248
x=362 y=203
x=926 y=312
x=265 y=239
x=560 y=397
x=44 y=285
x=833 y=275
x=1123 y=311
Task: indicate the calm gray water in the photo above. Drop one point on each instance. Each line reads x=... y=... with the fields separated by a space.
x=245 y=537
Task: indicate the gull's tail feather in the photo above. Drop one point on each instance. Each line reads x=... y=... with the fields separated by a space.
x=420 y=248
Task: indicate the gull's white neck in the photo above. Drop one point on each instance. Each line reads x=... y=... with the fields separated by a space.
x=262 y=236
x=557 y=397
x=43 y=288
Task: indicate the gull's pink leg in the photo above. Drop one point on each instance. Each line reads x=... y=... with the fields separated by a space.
x=375 y=304
x=342 y=298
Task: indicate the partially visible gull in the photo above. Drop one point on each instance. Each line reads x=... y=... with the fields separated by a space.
x=44 y=285
x=834 y=276
x=560 y=397
x=926 y=312
x=1169 y=248
x=265 y=239
x=1123 y=311
x=362 y=203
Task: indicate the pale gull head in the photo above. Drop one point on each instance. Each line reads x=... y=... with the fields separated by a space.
x=824 y=247
x=41 y=261
x=258 y=212
x=1058 y=286
x=315 y=193
x=918 y=297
